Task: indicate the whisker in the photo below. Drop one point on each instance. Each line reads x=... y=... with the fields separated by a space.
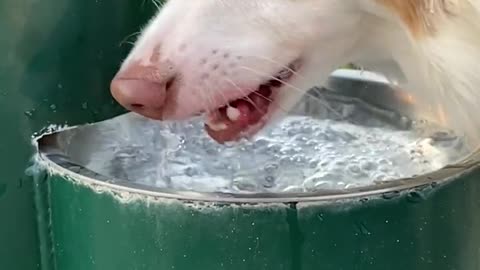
x=204 y=104
x=125 y=40
x=321 y=101
x=209 y=101
x=258 y=94
x=157 y=4
x=215 y=90
x=272 y=101
x=296 y=73
x=262 y=96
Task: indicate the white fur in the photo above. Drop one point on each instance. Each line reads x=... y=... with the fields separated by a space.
x=441 y=70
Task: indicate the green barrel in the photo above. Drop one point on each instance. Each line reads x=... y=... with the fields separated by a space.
x=430 y=222
x=58 y=57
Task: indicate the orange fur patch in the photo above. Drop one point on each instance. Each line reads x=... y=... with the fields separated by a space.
x=421 y=16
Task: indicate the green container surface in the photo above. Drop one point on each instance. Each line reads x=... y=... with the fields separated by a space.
x=58 y=62
x=58 y=57
x=432 y=227
x=429 y=222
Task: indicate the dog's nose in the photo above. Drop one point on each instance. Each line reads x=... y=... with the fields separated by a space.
x=142 y=89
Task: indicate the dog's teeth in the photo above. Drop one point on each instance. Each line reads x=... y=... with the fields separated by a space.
x=217 y=126
x=233 y=113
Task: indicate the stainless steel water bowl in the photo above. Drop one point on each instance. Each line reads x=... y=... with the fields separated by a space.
x=368 y=91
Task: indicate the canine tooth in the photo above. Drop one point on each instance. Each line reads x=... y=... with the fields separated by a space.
x=233 y=113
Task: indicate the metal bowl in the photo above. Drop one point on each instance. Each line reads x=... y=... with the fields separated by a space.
x=71 y=149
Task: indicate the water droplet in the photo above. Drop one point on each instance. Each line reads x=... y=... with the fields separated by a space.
x=415 y=197
x=390 y=195
x=362 y=228
x=30 y=113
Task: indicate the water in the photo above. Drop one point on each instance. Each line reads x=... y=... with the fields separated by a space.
x=298 y=154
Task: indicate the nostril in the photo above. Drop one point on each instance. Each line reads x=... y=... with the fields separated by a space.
x=137 y=106
x=169 y=83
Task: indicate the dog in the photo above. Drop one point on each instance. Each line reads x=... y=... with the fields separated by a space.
x=245 y=63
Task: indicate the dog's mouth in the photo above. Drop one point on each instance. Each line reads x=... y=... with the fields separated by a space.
x=243 y=117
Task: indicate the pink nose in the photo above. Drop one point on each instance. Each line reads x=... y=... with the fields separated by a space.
x=142 y=90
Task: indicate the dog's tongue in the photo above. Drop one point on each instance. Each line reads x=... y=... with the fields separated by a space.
x=232 y=122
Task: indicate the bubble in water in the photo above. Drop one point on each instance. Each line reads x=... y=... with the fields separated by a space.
x=191 y=171
x=269 y=181
x=311 y=143
x=245 y=183
x=274 y=148
x=324 y=184
x=261 y=143
x=368 y=165
x=379 y=177
x=270 y=168
x=298 y=159
x=313 y=163
x=286 y=161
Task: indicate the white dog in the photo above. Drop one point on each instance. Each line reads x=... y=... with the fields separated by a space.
x=244 y=62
